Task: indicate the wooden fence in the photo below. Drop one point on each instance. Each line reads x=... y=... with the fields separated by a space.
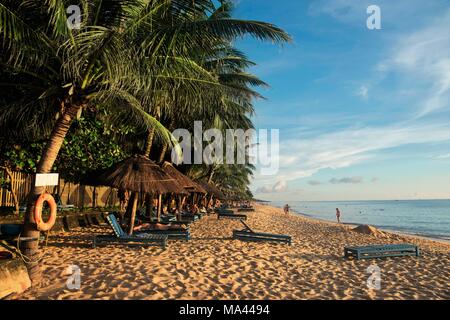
x=70 y=193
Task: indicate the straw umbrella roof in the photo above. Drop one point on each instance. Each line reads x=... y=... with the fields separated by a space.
x=182 y=179
x=139 y=174
x=211 y=189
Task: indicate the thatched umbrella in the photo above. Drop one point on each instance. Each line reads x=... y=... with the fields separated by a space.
x=191 y=186
x=182 y=179
x=211 y=190
x=138 y=174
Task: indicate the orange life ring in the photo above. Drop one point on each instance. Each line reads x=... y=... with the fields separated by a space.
x=41 y=225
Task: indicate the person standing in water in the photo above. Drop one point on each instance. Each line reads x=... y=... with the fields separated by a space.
x=338 y=215
x=286 y=209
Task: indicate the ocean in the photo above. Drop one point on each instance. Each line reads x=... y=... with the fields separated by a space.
x=426 y=218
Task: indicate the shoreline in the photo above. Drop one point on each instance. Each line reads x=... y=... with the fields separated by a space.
x=352 y=224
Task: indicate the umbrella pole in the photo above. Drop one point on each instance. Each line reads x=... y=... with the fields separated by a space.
x=211 y=201
x=159 y=207
x=180 y=207
x=148 y=206
x=133 y=212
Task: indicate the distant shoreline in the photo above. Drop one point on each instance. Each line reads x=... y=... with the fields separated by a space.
x=392 y=231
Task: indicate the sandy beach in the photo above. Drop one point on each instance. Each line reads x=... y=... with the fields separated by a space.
x=213 y=266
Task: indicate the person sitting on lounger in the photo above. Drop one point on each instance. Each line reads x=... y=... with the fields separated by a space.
x=158 y=226
x=194 y=209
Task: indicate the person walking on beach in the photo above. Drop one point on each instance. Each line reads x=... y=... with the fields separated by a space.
x=286 y=209
x=338 y=215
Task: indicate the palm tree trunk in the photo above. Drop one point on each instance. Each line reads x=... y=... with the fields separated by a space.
x=211 y=174
x=49 y=154
x=163 y=153
x=149 y=142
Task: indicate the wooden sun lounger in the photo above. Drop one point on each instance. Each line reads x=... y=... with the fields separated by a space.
x=120 y=237
x=246 y=210
x=168 y=218
x=247 y=234
x=231 y=216
x=381 y=251
x=223 y=211
x=172 y=234
x=190 y=217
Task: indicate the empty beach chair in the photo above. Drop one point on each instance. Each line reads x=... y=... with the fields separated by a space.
x=247 y=234
x=120 y=237
x=172 y=234
x=234 y=216
x=61 y=206
x=382 y=251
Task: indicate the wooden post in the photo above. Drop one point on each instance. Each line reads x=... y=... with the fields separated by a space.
x=133 y=212
x=179 y=206
x=148 y=206
x=183 y=200
x=94 y=197
x=211 y=201
x=159 y=207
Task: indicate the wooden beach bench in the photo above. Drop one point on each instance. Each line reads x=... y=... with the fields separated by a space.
x=247 y=234
x=120 y=237
x=231 y=216
x=382 y=251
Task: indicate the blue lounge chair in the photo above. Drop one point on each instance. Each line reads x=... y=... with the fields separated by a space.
x=120 y=237
x=247 y=234
x=381 y=251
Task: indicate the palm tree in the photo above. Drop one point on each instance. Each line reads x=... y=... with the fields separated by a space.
x=130 y=56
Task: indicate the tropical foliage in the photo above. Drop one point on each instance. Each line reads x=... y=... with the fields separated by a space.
x=152 y=65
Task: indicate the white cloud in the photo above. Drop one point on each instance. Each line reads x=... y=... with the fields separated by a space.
x=423 y=58
x=347 y=180
x=444 y=156
x=363 y=92
x=307 y=156
x=278 y=187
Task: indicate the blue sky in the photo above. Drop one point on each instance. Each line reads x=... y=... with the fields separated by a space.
x=362 y=114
